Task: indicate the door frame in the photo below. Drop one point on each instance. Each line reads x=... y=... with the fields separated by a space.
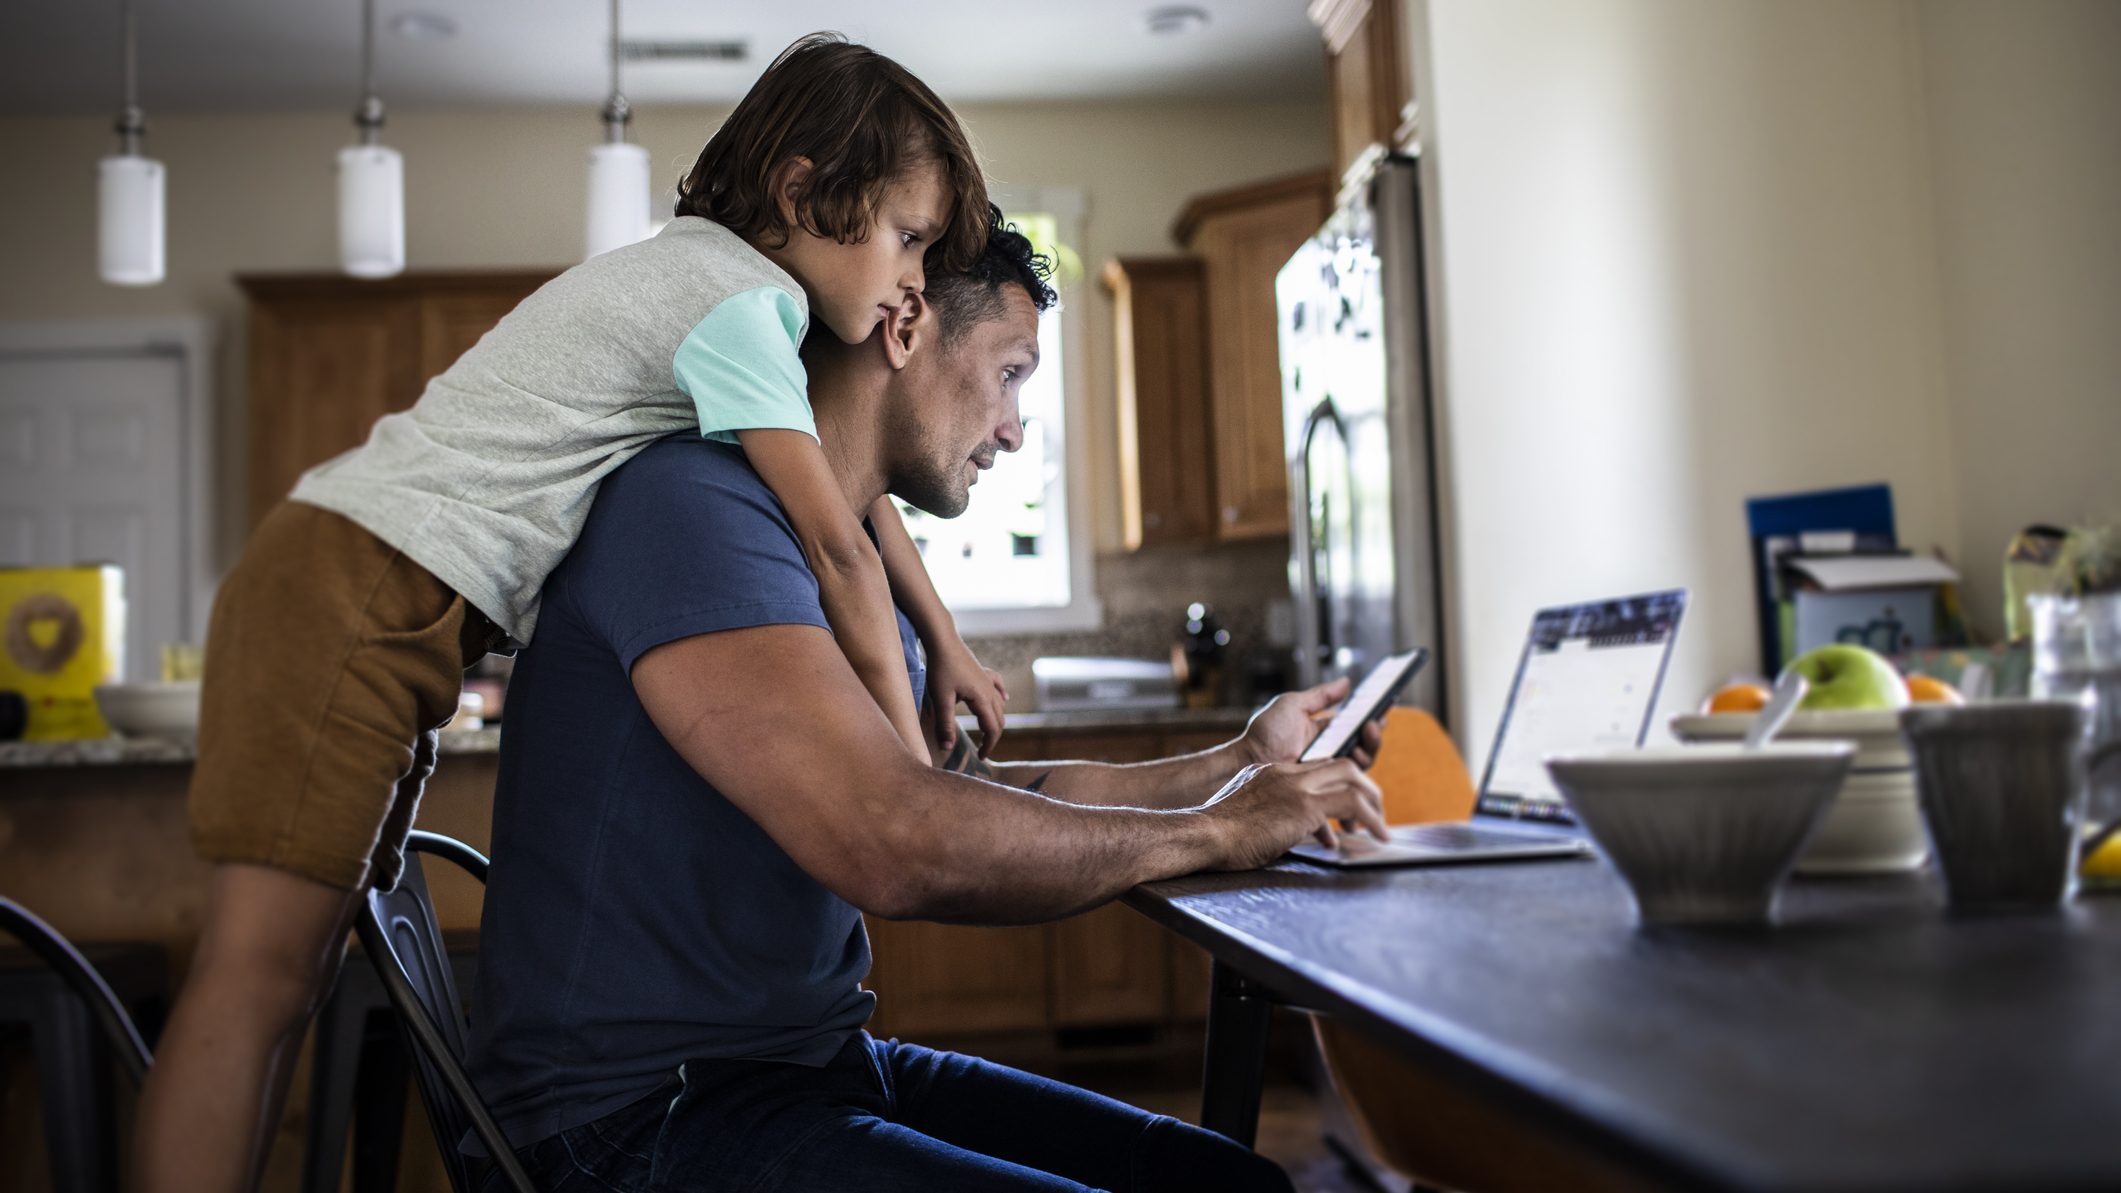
x=190 y=340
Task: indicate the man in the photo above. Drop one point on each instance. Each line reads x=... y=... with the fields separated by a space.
x=698 y=799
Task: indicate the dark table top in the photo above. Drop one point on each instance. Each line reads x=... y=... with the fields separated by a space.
x=1869 y=1042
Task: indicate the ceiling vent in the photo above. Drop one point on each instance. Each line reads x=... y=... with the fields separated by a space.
x=634 y=50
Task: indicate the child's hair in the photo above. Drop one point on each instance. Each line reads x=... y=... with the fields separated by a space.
x=864 y=122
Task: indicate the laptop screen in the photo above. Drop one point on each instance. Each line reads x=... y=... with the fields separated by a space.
x=1588 y=680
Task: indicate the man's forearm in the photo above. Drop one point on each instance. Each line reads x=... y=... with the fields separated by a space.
x=1013 y=856
x=1185 y=781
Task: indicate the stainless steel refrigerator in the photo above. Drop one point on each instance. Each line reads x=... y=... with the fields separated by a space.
x=1364 y=563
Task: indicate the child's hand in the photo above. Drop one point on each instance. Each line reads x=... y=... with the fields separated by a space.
x=956 y=676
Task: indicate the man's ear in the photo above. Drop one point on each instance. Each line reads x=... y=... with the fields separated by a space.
x=908 y=331
x=788 y=180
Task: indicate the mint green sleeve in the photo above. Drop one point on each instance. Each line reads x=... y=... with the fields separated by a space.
x=741 y=368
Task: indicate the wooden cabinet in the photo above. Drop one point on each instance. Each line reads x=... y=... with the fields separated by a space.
x=329 y=355
x=1201 y=453
x=1108 y=967
x=1367 y=80
x=1165 y=444
x=1243 y=237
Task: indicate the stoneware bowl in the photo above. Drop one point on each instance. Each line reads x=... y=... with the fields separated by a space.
x=150 y=709
x=1703 y=834
x=1875 y=825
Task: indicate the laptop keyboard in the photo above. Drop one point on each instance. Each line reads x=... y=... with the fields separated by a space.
x=1463 y=836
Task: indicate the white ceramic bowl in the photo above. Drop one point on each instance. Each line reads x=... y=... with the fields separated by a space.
x=150 y=709
x=1875 y=827
x=1703 y=834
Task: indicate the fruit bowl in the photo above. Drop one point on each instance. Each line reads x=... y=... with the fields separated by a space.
x=1875 y=826
x=150 y=709
x=1703 y=834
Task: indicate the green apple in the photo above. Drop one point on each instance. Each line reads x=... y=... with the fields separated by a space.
x=1848 y=677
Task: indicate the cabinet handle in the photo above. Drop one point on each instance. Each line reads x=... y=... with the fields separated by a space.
x=1229 y=513
x=1152 y=521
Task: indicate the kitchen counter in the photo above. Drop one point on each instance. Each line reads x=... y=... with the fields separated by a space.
x=175 y=751
x=172 y=751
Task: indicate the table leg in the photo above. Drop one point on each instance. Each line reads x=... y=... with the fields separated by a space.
x=1237 y=1056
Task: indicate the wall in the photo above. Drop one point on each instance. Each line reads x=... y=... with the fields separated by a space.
x=505 y=188
x=2024 y=106
x=1686 y=256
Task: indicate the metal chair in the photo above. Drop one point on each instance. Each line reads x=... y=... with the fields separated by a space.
x=397 y=929
x=71 y=1071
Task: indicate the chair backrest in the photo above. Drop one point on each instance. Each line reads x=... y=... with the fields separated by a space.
x=1420 y=772
x=397 y=929
x=54 y=950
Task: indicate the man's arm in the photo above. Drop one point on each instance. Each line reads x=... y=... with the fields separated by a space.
x=776 y=720
x=1277 y=733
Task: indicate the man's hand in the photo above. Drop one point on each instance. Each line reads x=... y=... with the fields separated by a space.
x=1281 y=730
x=1268 y=808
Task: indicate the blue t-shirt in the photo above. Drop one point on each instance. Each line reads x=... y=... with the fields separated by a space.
x=635 y=918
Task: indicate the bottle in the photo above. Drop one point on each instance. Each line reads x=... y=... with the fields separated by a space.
x=1204 y=644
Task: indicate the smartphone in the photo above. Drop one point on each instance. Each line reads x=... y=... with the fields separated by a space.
x=1366 y=703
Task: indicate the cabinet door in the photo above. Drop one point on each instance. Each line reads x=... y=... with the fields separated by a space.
x=322 y=371
x=330 y=355
x=1159 y=316
x=1109 y=967
x=1367 y=79
x=1242 y=249
x=945 y=979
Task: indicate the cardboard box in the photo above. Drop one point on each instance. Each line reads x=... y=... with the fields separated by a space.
x=1885 y=602
x=62 y=632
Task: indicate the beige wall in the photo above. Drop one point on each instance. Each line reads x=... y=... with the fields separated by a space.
x=1687 y=256
x=2024 y=104
x=505 y=188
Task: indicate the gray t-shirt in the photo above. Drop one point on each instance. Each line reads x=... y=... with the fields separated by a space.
x=635 y=918
x=486 y=480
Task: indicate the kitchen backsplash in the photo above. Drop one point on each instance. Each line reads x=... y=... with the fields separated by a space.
x=1145 y=594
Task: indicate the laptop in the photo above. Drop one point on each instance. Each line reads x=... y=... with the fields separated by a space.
x=1588 y=679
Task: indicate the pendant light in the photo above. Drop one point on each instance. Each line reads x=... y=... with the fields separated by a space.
x=371 y=180
x=618 y=172
x=129 y=187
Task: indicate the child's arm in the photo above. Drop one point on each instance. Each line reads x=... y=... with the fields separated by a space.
x=850 y=577
x=953 y=673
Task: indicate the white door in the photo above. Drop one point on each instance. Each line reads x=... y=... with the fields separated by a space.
x=94 y=467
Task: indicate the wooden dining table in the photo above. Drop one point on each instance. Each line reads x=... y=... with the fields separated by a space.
x=1868 y=1041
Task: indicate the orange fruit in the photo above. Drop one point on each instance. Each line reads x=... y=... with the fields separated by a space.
x=1737 y=697
x=1928 y=689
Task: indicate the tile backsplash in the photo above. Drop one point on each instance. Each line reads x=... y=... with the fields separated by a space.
x=1145 y=594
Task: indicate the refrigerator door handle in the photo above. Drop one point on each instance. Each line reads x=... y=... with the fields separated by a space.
x=1314 y=651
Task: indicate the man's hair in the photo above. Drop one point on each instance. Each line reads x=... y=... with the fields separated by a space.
x=864 y=122
x=966 y=297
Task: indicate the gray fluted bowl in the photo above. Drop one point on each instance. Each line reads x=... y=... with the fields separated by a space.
x=1703 y=834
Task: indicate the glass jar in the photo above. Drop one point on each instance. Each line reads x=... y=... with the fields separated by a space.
x=2077 y=656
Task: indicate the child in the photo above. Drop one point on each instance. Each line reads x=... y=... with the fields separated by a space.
x=338 y=643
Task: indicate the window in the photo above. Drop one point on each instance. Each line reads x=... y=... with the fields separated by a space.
x=1018 y=559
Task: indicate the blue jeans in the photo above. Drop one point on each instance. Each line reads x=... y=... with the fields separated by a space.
x=883 y=1118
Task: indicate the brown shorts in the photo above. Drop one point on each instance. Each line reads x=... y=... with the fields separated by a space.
x=330 y=662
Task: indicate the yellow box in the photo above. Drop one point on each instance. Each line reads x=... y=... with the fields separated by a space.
x=62 y=632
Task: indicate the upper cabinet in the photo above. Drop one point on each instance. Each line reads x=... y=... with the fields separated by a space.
x=1243 y=237
x=329 y=355
x=1367 y=75
x=1201 y=454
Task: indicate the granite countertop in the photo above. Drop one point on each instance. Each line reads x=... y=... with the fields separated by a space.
x=176 y=751
x=179 y=751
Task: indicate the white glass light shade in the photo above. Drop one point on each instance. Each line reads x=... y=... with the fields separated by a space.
x=371 y=211
x=618 y=197
x=129 y=220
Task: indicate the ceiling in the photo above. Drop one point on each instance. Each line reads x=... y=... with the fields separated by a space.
x=62 y=57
